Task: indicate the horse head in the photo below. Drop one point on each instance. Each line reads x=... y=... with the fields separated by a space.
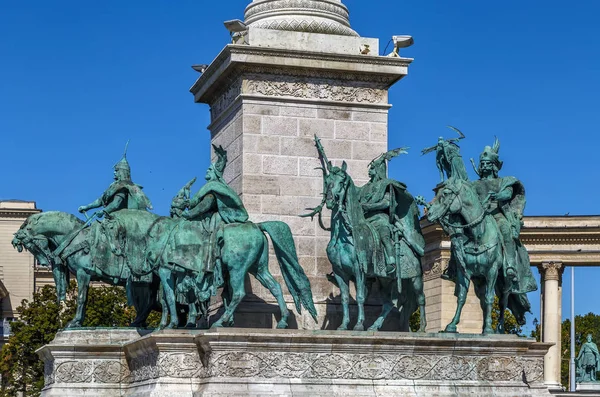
x=336 y=185
x=446 y=202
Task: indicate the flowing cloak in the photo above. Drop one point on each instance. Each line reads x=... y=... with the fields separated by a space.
x=135 y=199
x=512 y=209
x=403 y=214
x=229 y=205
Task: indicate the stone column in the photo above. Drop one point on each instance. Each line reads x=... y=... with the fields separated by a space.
x=551 y=279
x=299 y=71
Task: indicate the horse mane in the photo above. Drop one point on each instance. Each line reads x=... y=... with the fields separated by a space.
x=353 y=207
x=35 y=218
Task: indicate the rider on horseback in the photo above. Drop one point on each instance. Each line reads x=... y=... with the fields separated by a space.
x=384 y=204
x=504 y=199
x=121 y=194
x=215 y=205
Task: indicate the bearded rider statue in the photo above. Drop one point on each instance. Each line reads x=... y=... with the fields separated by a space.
x=121 y=194
x=504 y=199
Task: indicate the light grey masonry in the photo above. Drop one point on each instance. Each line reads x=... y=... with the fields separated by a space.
x=268 y=100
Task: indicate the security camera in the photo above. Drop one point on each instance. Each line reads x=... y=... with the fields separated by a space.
x=401 y=41
x=238 y=30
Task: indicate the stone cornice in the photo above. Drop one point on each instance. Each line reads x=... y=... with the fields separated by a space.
x=18 y=213
x=570 y=240
x=233 y=57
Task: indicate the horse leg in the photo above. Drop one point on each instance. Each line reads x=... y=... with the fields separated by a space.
x=361 y=293
x=462 y=286
x=417 y=283
x=237 y=293
x=490 y=294
x=268 y=281
x=164 y=317
x=83 y=284
x=388 y=304
x=342 y=282
x=167 y=281
x=192 y=316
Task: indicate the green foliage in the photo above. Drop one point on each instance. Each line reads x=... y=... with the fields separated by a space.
x=510 y=322
x=584 y=325
x=39 y=322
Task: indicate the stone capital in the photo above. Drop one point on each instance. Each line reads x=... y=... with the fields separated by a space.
x=551 y=270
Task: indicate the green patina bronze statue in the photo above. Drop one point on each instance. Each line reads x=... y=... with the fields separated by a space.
x=111 y=251
x=588 y=362
x=375 y=236
x=483 y=219
x=210 y=237
x=448 y=158
x=188 y=254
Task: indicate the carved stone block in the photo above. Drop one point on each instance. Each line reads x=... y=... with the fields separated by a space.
x=253 y=362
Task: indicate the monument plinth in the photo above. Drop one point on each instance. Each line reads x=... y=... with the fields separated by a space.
x=259 y=362
x=301 y=71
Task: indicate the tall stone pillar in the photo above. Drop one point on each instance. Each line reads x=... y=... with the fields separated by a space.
x=551 y=321
x=299 y=70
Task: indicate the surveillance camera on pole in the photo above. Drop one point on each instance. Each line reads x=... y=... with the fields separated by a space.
x=401 y=42
x=238 y=31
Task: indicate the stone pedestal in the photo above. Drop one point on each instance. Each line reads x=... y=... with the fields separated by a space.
x=589 y=388
x=253 y=362
x=300 y=71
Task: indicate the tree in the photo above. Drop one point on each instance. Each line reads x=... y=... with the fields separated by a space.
x=584 y=325
x=39 y=322
x=510 y=322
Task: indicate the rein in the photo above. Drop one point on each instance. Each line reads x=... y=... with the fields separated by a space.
x=475 y=222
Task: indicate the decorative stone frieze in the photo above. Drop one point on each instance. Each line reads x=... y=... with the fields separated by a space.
x=248 y=362
x=310 y=16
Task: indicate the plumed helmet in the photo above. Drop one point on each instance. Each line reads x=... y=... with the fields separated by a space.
x=123 y=164
x=379 y=164
x=490 y=153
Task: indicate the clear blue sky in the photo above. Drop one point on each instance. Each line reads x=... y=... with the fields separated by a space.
x=77 y=79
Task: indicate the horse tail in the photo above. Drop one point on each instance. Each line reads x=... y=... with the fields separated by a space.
x=293 y=274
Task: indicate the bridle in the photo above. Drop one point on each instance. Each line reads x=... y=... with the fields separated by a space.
x=447 y=224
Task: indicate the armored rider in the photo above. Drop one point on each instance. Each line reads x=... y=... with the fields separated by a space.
x=386 y=203
x=215 y=205
x=504 y=199
x=121 y=194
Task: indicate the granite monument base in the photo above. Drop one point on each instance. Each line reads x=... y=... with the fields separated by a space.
x=593 y=387
x=264 y=362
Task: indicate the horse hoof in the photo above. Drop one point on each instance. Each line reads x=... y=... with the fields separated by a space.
x=359 y=327
x=73 y=324
x=282 y=324
x=487 y=331
x=373 y=328
x=450 y=328
x=343 y=327
x=421 y=330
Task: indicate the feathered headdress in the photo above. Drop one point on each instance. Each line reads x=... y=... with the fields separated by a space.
x=219 y=165
x=379 y=164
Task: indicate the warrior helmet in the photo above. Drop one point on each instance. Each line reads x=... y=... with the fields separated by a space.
x=491 y=154
x=123 y=164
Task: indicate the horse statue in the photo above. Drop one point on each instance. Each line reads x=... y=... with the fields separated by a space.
x=355 y=247
x=476 y=250
x=94 y=253
x=245 y=250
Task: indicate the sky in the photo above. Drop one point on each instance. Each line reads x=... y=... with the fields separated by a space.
x=78 y=79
